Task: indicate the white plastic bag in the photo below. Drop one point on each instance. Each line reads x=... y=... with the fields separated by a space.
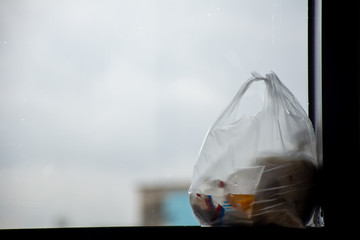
x=257 y=169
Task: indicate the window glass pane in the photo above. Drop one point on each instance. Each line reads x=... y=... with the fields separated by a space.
x=101 y=101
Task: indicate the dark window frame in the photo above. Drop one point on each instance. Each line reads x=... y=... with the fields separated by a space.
x=334 y=108
x=340 y=100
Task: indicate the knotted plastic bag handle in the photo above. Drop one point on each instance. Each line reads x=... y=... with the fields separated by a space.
x=276 y=94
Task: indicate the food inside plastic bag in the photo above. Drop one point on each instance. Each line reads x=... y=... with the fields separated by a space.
x=285 y=193
x=257 y=169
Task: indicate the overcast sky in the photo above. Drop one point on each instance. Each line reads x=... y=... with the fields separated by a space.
x=98 y=97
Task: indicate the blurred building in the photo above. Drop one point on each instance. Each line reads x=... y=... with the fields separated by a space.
x=166 y=204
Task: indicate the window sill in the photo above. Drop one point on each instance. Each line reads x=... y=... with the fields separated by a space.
x=168 y=231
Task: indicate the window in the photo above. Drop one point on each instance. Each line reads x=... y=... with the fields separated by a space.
x=100 y=99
